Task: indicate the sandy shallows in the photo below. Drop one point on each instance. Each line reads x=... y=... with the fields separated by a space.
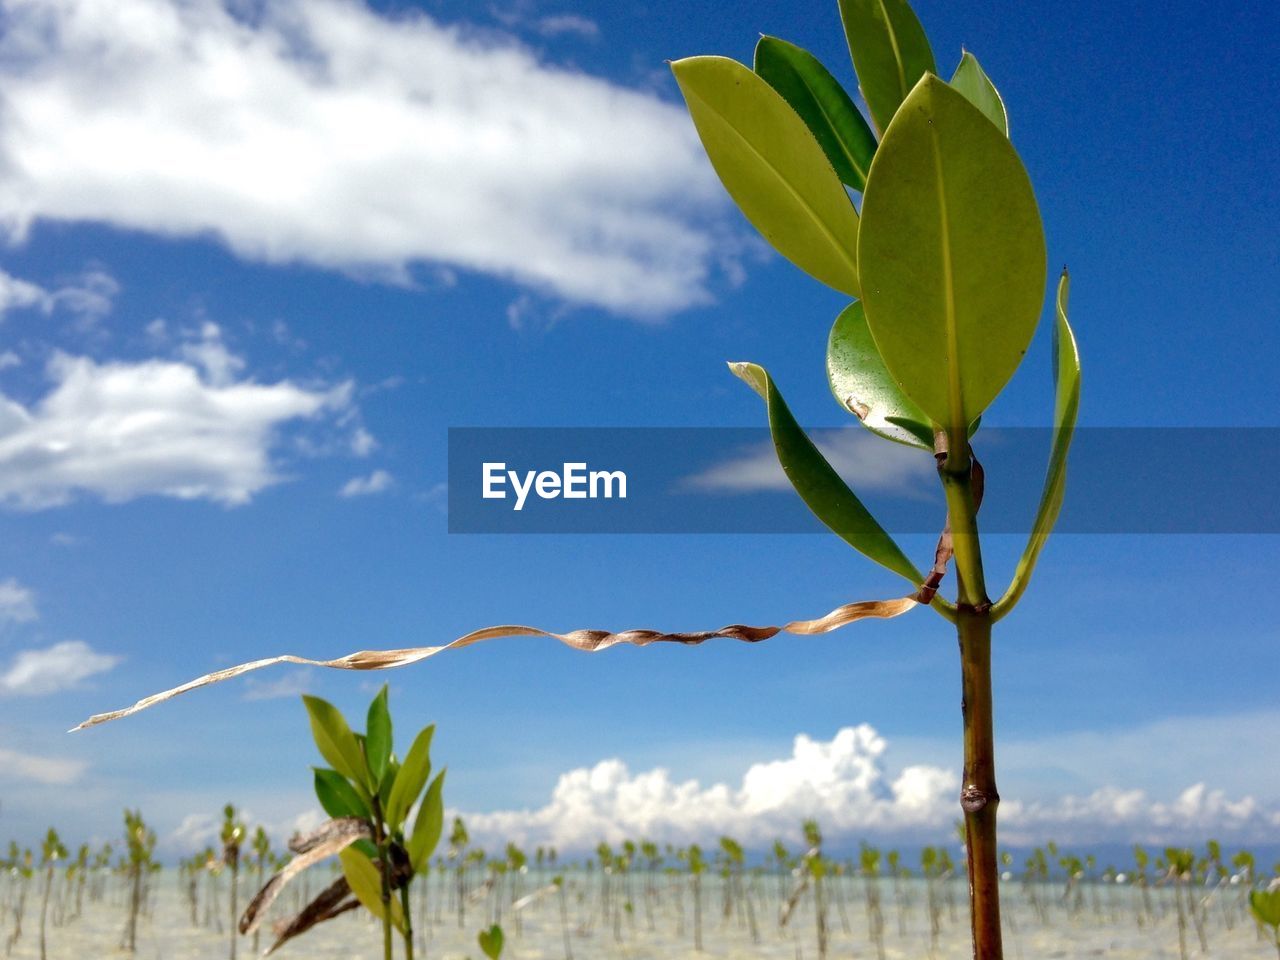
x=1102 y=922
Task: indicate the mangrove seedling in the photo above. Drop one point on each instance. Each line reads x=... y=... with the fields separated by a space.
x=140 y=844
x=51 y=851
x=369 y=796
x=232 y=836
x=944 y=263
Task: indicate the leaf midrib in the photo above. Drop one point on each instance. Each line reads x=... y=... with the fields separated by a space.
x=955 y=391
x=796 y=195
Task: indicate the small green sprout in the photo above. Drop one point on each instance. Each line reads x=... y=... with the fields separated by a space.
x=1265 y=907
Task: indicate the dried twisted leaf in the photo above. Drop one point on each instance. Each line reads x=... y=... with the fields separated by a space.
x=589 y=641
x=333 y=901
x=331 y=837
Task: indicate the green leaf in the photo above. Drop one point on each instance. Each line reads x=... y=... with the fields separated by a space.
x=491 y=942
x=366 y=883
x=337 y=796
x=1066 y=376
x=1265 y=905
x=772 y=167
x=388 y=781
x=335 y=741
x=377 y=736
x=814 y=94
x=952 y=255
x=818 y=484
x=411 y=779
x=863 y=385
x=971 y=80
x=890 y=52
x=428 y=825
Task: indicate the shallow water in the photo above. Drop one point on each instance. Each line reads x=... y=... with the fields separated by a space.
x=1102 y=925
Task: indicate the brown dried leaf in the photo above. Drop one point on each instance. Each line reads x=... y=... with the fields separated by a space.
x=333 y=901
x=330 y=838
x=589 y=641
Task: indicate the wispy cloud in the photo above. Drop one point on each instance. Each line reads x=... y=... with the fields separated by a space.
x=864 y=460
x=52 y=771
x=377 y=482
x=17 y=603
x=62 y=666
x=846 y=785
x=288 y=685
x=122 y=430
x=325 y=132
x=88 y=298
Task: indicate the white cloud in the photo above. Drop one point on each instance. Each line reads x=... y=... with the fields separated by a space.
x=866 y=461
x=196 y=831
x=287 y=686
x=17 y=603
x=123 y=430
x=40 y=769
x=567 y=23
x=844 y=783
x=59 y=667
x=321 y=131
x=376 y=482
x=88 y=297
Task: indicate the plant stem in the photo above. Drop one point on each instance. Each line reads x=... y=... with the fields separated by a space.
x=408 y=922
x=979 y=797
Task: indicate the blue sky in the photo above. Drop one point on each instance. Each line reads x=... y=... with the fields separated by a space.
x=260 y=263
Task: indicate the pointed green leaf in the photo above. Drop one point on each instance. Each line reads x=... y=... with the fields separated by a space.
x=388 y=781
x=822 y=104
x=491 y=942
x=890 y=52
x=1066 y=375
x=411 y=779
x=863 y=385
x=952 y=255
x=772 y=167
x=428 y=825
x=335 y=741
x=365 y=882
x=971 y=80
x=337 y=797
x=377 y=736
x=818 y=484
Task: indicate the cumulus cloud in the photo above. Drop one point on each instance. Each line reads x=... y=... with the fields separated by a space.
x=60 y=667
x=156 y=427
x=844 y=783
x=47 y=770
x=197 y=831
x=17 y=603
x=322 y=131
x=376 y=482
x=88 y=298
x=864 y=460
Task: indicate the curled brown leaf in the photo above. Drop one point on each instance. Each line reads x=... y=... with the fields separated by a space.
x=589 y=641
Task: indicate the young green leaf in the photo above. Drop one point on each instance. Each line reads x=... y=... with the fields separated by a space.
x=377 y=737
x=364 y=881
x=772 y=167
x=1066 y=375
x=491 y=942
x=1265 y=905
x=411 y=779
x=335 y=741
x=890 y=52
x=818 y=484
x=336 y=795
x=428 y=824
x=952 y=255
x=971 y=80
x=863 y=385
x=822 y=104
x=388 y=782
